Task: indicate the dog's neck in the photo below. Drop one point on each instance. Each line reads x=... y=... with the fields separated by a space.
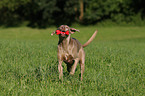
x=64 y=41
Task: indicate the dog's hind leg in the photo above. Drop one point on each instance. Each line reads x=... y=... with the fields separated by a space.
x=82 y=67
x=82 y=63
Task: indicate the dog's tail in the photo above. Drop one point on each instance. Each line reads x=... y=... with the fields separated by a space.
x=91 y=39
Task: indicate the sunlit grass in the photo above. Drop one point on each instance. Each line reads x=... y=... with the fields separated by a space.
x=114 y=62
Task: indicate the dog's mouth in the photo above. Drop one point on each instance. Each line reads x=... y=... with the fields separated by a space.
x=62 y=33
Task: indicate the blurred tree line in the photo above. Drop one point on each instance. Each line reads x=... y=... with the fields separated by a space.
x=42 y=13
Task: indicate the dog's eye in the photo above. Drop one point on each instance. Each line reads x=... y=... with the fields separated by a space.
x=66 y=29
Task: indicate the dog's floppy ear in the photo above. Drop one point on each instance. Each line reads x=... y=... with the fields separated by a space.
x=52 y=33
x=73 y=30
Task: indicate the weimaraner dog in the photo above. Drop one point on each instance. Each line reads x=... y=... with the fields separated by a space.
x=70 y=50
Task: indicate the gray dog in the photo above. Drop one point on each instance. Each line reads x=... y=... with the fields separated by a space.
x=70 y=50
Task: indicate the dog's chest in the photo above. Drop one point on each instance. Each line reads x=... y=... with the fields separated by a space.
x=67 y=55
x=69 y=51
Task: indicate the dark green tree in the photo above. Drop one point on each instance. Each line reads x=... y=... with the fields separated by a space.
x=9 y=11
x=42 y=13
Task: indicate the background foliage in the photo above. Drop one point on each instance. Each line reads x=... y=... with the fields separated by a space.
x=41 y=13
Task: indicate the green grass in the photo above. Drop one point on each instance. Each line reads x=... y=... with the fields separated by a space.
x=115 y=63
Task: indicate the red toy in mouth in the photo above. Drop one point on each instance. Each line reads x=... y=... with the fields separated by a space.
x=60 y=32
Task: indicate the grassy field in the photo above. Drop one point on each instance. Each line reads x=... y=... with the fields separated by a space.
x=115 y=63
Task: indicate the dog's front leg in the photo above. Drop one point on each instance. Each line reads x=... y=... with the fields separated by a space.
x=60 y=68
x=74 y=66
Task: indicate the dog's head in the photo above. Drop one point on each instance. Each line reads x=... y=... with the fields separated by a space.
x=65 y=31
